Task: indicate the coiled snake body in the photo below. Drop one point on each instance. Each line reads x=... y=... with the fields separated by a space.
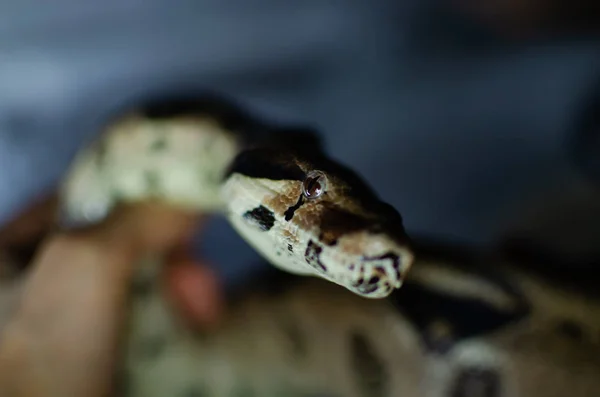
x=452 y=330
x=460 y=326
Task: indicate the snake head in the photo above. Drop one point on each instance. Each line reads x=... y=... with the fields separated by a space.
x=310 y=215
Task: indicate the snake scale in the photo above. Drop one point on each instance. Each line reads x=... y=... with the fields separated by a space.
x=460 y=325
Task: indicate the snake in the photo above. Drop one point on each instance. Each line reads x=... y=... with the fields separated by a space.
x=456 y=325
x=304 y=212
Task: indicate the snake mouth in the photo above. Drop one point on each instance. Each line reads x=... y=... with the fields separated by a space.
x=379 y=285
x=381 y=274
x=393 y=269
x=374 y=289
x=370 y=264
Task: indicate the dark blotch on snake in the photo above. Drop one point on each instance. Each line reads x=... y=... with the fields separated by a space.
x=313 y=256
x=262 y=216
x=370 y=372
x=290 y=248
x=289 y=213
x=476 y=382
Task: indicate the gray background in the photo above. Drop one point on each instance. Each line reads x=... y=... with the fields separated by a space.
x=463 y=133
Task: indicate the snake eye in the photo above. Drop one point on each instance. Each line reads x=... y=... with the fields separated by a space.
x=314 y=185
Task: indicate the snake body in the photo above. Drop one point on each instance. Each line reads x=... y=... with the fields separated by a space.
x=456 y=328
x=303 y=211
x=459 y=327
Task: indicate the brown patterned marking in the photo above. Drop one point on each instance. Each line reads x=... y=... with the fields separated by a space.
x=321 y=212
x=305 y=217
x=334 y=220
x=279 y=203
x=290 y=237
x=308 y=217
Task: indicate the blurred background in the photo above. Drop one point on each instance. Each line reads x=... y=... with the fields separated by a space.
x=477 y=119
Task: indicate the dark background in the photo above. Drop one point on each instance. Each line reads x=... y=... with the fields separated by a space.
x=473 y=119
